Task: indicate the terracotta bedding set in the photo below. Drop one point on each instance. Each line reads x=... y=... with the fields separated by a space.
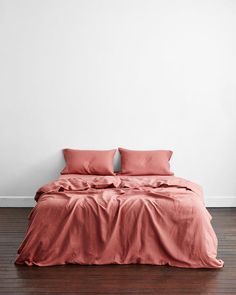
x=141 y=215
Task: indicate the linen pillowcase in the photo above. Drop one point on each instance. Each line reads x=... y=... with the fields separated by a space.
x=89 y=162
x=154 y=162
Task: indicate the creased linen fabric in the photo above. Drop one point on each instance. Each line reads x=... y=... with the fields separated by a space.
x=120 y=220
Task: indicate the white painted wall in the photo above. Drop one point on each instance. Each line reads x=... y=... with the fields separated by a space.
x=101 y=74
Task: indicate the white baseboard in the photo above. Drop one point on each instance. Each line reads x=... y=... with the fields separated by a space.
x=17 y=201
x=28 y=201
x=220 y=201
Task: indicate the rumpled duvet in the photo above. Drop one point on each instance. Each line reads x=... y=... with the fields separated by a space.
x=120 y=220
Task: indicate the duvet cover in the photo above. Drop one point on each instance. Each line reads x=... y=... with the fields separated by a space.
x=86 y=219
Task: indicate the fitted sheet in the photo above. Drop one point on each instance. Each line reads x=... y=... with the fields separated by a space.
x=88 y=219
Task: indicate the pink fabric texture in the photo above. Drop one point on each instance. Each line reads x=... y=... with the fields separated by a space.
x=89 y=162
x=154 y=162
x=120 y=220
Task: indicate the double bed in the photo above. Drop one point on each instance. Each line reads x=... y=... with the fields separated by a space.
x=120 y=219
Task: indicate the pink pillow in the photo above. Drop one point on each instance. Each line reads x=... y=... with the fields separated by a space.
x=145 y=162
x=88 y=162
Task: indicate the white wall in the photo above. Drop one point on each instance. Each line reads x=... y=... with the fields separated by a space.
x=101 y=74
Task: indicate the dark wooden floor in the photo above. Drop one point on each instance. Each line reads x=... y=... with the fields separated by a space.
x=114 y=279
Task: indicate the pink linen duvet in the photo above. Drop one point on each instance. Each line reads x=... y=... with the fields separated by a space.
x=120 y=220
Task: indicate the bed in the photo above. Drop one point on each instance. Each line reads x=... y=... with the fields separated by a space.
x=90 y=219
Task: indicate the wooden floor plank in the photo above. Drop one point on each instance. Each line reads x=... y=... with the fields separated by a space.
x=114 y=279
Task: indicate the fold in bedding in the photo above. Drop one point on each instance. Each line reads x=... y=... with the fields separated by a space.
x=120 y=220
